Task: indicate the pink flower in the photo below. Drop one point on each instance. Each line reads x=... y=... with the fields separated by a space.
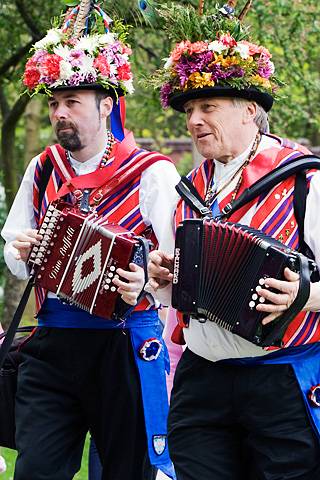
x=227 y=40
x=197 y=47
x=101 y=63
x=51 y=66
x=179 y=49
x=257 y=49
x=124 y=72
x=31 y=74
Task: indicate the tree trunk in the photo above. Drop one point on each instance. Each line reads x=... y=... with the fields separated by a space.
x=12 y=293
x=32 y=141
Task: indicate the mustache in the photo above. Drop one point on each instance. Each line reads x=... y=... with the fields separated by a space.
x=61 y=124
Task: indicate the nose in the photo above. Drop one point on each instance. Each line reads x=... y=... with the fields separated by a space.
x=60 y=112
x=194 y=119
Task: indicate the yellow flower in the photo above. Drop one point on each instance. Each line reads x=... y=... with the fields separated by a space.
x=199 y=80
x=260 y=81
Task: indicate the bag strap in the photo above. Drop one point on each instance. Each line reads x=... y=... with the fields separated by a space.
x=13 y=328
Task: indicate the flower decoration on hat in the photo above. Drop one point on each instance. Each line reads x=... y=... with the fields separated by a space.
x=88 y=50
x=212 y=52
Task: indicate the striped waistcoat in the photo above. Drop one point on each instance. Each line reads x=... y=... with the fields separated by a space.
x=273 y=214
x=121 y=207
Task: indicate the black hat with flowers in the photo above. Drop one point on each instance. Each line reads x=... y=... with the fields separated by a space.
x=213 y=56
x=87 y=50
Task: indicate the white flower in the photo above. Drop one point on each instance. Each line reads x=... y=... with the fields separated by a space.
x=87 y=65
x=53 y=37
x=106 y=39
x=128 y=85
x=242 y=49
x=113 y=70
x=65 y=70
x=88 y=43
x=63 y=51
x=168 y=63
x=217 y=46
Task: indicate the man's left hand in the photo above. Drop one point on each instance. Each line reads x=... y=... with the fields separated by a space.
x=280 y=301
x=131 y=289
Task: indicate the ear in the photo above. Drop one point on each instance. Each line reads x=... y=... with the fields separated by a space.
x=249 y=112
x=106 y=107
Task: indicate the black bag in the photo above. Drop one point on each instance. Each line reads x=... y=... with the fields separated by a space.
x=8 y=388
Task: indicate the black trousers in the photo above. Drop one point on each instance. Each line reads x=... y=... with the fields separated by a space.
x=71 y=381
x=230 y=422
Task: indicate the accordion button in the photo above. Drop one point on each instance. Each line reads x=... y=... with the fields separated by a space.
x=261 y=281
x=252 y=304
x=314 y=395
x=113 y=289
x=262 y=299
x=110 y=275
x=112 y=268
x=254 y=296
x=258 y=288
x=106 y=287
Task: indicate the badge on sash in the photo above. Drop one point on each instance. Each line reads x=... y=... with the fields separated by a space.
x=150 y=349
x=314 y=396
x=159 y=443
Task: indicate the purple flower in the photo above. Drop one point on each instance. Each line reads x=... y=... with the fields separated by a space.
x=75 y=79
x=190 y=64
x=39 y=55
x=164 y=94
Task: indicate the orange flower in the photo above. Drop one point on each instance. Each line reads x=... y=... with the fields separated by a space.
x=197 y=47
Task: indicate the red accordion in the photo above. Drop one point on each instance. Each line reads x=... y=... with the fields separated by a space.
x=219 y=268
x=78 y=256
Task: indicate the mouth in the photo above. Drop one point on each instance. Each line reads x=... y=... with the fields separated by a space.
x=202 y=135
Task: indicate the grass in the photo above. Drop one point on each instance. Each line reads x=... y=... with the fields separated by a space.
x=10 y=458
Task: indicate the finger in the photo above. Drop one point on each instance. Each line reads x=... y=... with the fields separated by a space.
x=277 y=298
x=271 y=308
x=290 y=275
x=137 y=274
x=131 y=299
x=270 y=318
x=153 y=283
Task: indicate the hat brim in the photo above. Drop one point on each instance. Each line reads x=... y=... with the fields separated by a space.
x=90 y=86
x=178 y=99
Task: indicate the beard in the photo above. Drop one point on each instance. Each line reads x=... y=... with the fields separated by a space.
x=68 y=140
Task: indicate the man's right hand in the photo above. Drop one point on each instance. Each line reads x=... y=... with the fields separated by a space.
x=24 y=242
x=160 y=268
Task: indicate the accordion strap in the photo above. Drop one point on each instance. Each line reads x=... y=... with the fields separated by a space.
x=268 y=181
x=190 y=195
x=302 y=297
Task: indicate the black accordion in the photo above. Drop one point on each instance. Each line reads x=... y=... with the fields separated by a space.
x=219 y=268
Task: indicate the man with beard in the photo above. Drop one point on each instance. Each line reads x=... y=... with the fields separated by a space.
x=81 y=372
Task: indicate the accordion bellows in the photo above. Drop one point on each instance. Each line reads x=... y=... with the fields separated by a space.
x=219 y=268
x=78 y=256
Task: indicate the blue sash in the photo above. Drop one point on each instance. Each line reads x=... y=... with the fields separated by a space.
x=144 y=328
x=305 y=361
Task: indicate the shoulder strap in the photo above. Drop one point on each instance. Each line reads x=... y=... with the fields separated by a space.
x=190 y=195
x=299 y=205
x=268 y=181
x=44 y=179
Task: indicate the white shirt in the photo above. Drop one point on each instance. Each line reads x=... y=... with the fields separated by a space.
x=208 y=339
x=157 y=196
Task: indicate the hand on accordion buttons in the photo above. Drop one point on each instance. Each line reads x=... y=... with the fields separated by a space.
x=133 y=283
x=160 y=268
x=281 y=300
x=24 y=242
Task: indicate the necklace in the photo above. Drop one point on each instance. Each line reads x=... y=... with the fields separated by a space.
x=212 y=194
